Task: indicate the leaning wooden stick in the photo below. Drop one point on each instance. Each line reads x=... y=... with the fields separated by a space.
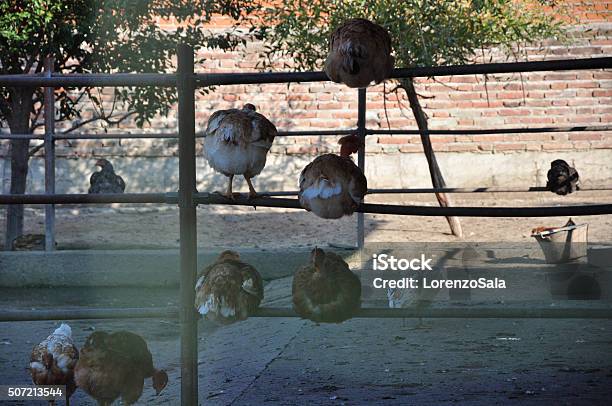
x=434 y=170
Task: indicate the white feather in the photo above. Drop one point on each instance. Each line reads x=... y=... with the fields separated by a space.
x=64 y=329
x=323 y=189
x=208 y=306
x=37 y=366
x=199 y=283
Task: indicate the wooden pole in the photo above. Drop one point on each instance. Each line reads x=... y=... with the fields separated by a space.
x=434 y=170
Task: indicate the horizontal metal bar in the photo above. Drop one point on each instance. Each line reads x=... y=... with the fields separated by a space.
x=88 y=314
x=447 y=190
x=476 y=131
x=90 y=80
x=214 y=198
x=463 y=313
x=168 y=198
x=545 y=211
x=441 y=312
x=473 y=131
x=208 y=79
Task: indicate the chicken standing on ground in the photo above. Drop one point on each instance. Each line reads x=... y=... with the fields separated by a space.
x=114 y=365
x=106 y=180
x=332 y=186
x=562 y=178
x=326 y=290
x=228 y=290
x=53 y=360
x=359 y=54
x=237 y=142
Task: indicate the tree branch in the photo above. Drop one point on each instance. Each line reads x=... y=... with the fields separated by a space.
x=107 y=120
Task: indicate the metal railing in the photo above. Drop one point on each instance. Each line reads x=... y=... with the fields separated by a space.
x=186 y=81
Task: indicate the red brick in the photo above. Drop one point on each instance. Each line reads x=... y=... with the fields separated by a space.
x=393 y=140
x=535 y=137
x=552 y=146
x=516 y=146
x=462 y=148
x=585 y=137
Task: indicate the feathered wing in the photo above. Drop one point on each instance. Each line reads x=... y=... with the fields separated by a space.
x=331 y=295
x=94 y=180
x=132 y=348
x=359 y=53
x=332 y=186
x=237 y=141
x=228 y=291
x=120 y=183
x=52 y=362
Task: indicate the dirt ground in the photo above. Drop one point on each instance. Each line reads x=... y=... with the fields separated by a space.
x=152 y=226
x=359 y=362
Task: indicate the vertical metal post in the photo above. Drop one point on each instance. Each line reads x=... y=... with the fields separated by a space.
x=188 y=248
x=49 y=114
x=361 y=130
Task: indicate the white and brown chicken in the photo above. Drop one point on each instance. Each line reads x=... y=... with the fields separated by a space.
x=52 y=362
x=359 y=54
x=326 y=290
x=237 y=142
x=228 y=290
x=332 y=185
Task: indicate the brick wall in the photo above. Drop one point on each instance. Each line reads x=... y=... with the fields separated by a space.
x=453 y=102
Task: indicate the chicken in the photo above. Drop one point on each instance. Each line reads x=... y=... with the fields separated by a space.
x=53 y=360
x=237 y=142
x=359 y=54
x=228 y=290
x=106 y=180
x=114 y=365
x=562 y=178
x=325 y=290
x=332 y=186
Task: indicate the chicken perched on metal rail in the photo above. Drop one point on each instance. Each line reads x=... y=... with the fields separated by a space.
x=562 y=178
x=237 y=142
x=359 y=54
x=228 y=290
x=332 y=185
x=114 y=365
x=53 y=361
x=326 y=290
x=106 y=180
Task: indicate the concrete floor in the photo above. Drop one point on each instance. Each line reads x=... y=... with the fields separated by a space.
x=361 y=361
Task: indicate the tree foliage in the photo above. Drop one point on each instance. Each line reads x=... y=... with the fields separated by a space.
x=107 y=36
x=423 y=32
x=101 y=36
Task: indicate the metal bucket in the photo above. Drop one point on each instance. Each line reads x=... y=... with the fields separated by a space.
x=563 y=244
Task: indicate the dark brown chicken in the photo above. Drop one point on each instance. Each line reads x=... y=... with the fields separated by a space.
x=332 y=185
x=228 y=290
x=562 y=178
x=106 y=180
x=359 y=54
x=114 y=365
x=325 y=290
x=52 y=362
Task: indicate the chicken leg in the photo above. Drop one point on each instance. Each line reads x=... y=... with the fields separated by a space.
x=228 y=192
x=252 y=192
